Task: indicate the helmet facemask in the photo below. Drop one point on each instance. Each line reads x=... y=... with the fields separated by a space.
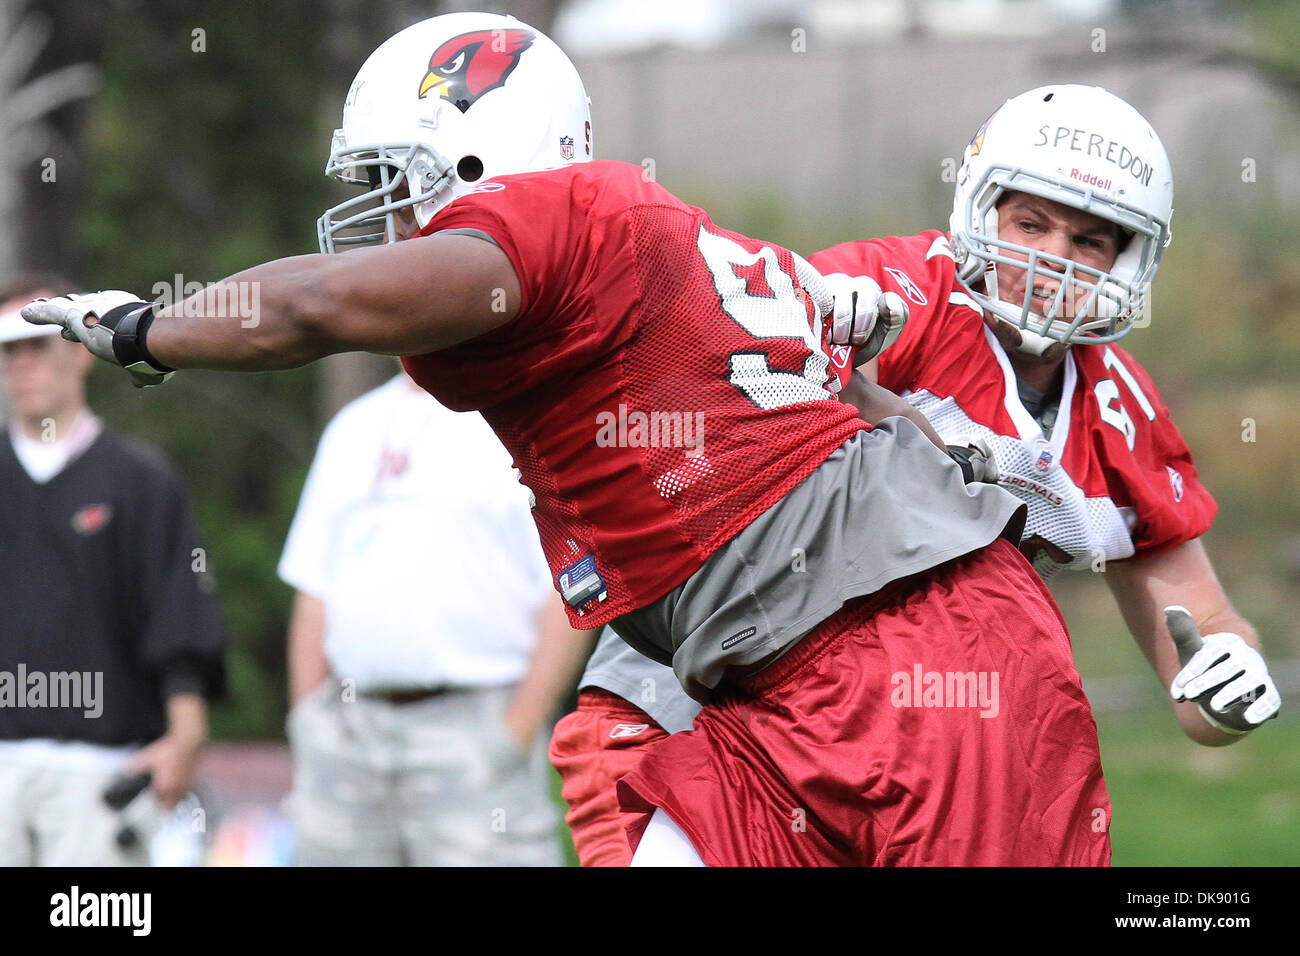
x=1085 y=149
x=368 y=219
x=1090 y=305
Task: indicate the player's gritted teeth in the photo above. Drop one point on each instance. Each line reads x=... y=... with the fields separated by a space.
x=1043 y=295
x=1043 y=298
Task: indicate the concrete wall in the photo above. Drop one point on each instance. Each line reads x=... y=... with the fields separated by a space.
x=864 y=129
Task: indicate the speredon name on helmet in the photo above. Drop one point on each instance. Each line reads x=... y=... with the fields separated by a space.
x=1108 y=150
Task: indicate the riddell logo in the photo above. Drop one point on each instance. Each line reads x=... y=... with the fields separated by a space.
x=1091 y=180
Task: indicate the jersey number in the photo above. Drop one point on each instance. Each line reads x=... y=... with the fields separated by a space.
x=760 y=297
x=1107 y=392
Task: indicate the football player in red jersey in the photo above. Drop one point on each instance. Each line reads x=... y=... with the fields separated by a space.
x=1060 y=217
x=661 y=385
x=1066 y=192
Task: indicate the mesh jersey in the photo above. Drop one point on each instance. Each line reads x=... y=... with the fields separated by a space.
x=1114 y=478
x=662 y=385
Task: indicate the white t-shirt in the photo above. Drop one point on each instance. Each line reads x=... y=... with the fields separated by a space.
x=415 y=532
x=42 y=460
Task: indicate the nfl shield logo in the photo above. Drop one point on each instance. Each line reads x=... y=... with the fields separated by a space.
x=1044 y=463
x=566 y=147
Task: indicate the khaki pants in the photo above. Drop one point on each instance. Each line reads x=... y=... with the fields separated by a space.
x=52 y=811
x=437 y=782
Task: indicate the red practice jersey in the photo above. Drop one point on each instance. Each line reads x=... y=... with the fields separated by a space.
x=1113 y=479
x=662 y=385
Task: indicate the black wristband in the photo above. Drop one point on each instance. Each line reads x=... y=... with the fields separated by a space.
x=961 y=454
x=130 y=323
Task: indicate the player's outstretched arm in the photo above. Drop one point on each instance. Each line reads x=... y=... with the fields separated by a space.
x=400 y=299
x=1183 y=575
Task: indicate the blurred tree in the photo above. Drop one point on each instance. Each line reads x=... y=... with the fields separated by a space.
x=208 y=141
x=1274 y=26
x=36 y=133
x=1258 y=35
x=201 y=155
x=206 y=149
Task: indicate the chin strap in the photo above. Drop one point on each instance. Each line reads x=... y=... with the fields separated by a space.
x=1031 y=343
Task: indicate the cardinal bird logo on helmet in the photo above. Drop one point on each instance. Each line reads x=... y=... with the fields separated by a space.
x=469 y=65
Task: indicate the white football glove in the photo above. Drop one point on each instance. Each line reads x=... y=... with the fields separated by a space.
x=1226 y=677
x=865 y=318
x=112 y=325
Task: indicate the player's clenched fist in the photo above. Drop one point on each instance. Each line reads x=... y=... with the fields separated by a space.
x=111 y=324
x=865 y=317
x=1223 y=674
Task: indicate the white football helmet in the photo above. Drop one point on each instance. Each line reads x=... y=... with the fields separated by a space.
x=442 y=105
x=1083 y=147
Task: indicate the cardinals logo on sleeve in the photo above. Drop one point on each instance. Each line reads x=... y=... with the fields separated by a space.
x=469 y=65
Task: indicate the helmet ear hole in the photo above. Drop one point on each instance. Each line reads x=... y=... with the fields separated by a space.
x=469 y=169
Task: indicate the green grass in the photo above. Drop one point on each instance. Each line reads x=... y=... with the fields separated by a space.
x=566 y=837
x=1177 y=803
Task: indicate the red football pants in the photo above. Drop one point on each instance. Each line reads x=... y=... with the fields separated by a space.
x=592 y=748
x=940 y=721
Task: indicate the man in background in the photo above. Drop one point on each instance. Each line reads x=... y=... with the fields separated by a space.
x=110 y=642
x=427 y=650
